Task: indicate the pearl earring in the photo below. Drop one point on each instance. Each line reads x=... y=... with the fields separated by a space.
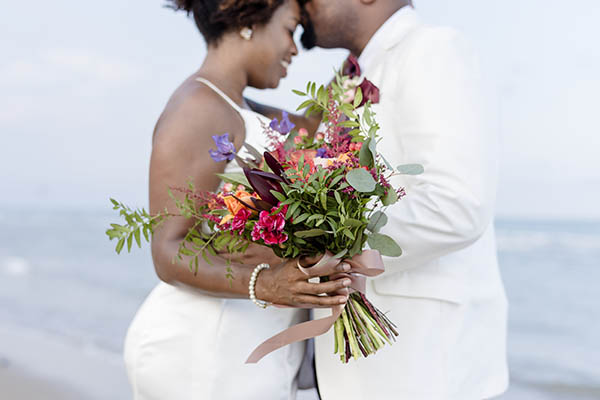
x=246 y=33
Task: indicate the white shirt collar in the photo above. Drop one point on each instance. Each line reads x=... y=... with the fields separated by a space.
x=387 y=35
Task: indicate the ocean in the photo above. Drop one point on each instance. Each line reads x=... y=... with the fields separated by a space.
x=65 y=297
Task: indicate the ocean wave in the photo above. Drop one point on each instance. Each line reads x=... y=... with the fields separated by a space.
x=15 y=266
x=535 y=240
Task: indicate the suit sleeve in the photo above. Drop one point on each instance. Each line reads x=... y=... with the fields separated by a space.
x=440 y=121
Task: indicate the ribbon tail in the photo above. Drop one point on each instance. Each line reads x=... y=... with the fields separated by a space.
x=296 y=333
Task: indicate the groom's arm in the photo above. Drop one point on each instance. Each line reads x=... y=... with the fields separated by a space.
x=442 y=124
x=311 y=124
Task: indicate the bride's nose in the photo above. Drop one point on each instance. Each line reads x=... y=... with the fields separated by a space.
x=294 y=49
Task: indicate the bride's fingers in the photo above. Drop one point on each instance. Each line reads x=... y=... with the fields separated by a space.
x=325 y=287
x=303 y=300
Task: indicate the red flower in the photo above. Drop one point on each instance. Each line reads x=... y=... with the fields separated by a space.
x=351 y=68
x=369 y=92
x=240 y=219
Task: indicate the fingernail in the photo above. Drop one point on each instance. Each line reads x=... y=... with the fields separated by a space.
x=344 y=300
x=346 y=282
x=345 y=267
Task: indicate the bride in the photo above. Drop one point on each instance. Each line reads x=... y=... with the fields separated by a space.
x=190 y=338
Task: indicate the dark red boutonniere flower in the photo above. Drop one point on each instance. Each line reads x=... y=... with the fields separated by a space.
x=369 y=92
x=351 y=68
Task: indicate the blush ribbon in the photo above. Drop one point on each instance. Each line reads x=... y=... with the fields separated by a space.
x=367 y=264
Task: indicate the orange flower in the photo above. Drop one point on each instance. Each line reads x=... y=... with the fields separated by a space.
x=344 y=158
x=233 y=205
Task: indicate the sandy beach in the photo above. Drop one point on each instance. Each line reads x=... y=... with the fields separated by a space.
x=40 y=366
x=17 y=384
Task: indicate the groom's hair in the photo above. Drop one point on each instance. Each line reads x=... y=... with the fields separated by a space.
x=217 y=17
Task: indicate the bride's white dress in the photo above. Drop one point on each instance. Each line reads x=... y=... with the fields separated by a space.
x=184 y=345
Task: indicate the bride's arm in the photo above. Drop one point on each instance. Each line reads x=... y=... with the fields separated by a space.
x=311 y=124
x=180 y=154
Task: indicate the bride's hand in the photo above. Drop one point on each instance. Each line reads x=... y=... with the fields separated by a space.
x=285 y=284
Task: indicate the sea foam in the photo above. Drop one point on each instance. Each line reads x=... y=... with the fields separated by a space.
x=15 y=266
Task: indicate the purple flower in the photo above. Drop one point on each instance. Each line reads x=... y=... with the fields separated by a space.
x=321 y=152
x=225 y=149
x=284 y=127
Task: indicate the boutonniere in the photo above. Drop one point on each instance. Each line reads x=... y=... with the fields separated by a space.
x=351 y=70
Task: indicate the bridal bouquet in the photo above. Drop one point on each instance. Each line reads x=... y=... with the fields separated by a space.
x=304 y=196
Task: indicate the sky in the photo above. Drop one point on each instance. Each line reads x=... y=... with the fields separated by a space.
x=83 y=83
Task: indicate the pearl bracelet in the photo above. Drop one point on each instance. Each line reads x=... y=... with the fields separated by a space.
x=252 y=284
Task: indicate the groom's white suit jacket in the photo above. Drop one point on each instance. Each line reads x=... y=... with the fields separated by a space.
x=445 y=292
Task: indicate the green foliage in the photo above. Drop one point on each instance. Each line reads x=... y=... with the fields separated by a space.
x=361 y=180
x=137 y=223
x=390 y=198
x=384 y=244
x=378 y=220
x=237 y=178
x=410 y=169
x=326 y=210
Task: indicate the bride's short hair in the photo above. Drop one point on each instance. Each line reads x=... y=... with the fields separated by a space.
x=216 y=17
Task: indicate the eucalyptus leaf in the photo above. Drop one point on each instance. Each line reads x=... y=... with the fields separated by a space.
x=361 y=180
x=373 y=144
x=411 y=169
x=387 y=164
x=378 y=220
x=384 y=244
x=390 y=198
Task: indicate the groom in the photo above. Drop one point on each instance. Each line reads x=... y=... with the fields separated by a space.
x=445 y=292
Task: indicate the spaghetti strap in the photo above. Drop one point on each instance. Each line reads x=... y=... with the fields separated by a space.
x=220 y=93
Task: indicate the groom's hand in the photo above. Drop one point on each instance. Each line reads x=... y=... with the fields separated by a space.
x=285 y=284
x=254 y=255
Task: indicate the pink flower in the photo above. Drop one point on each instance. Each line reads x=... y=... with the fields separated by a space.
x=270 y=227
x=240 y=219
x=275 y=238
x=298 y=140
x=302 y=132
x=349 y=95
x=228 y=187
x=255 y=233
x=355 y=146
x=320 y=136
x=270 y=222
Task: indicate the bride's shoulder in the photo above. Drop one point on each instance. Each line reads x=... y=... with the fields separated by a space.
x=195 y=110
